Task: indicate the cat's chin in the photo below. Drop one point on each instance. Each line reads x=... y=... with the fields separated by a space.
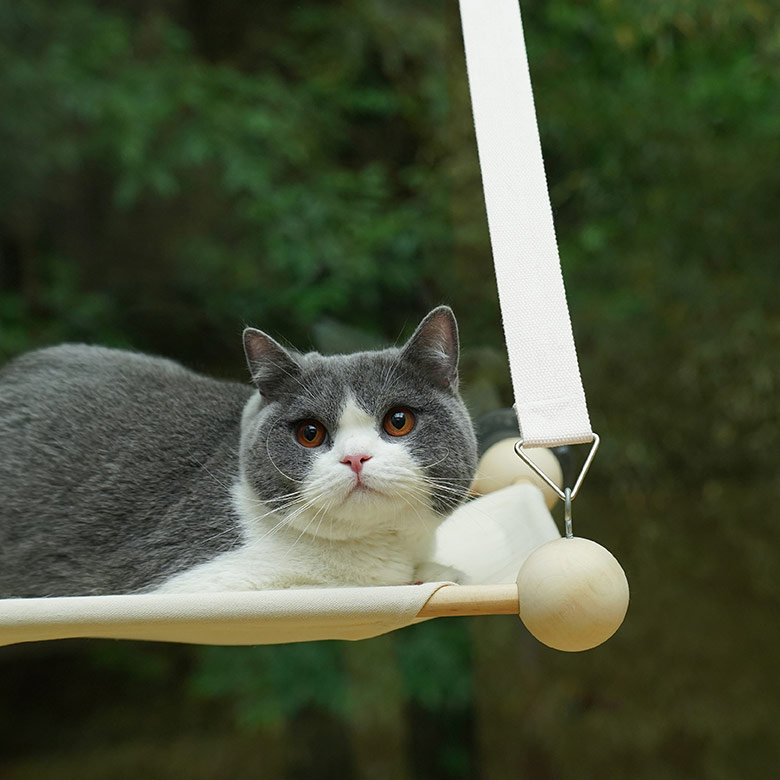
x=360 y=491
x=366 y=511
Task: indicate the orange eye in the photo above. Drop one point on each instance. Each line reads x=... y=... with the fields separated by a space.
x=310 y=433
x=398 y=421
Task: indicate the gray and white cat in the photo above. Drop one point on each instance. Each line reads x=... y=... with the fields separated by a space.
x=121 y=472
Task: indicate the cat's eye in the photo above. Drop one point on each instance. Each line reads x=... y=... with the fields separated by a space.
x=398 y=421
x=310 y=433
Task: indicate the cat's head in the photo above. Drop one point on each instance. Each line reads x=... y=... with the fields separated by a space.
x=345 y=445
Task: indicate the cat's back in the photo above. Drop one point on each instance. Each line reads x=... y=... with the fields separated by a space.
x=76 y=391
x=74 y=368
x=68 y=389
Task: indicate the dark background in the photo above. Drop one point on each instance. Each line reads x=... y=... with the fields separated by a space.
x=173 y=170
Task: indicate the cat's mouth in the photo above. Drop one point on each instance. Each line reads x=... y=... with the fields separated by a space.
x=361 y=488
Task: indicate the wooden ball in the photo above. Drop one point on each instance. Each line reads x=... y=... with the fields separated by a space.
x=573 y=594
x=500 y=467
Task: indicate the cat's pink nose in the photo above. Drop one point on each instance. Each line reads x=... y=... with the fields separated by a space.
x=355 y=462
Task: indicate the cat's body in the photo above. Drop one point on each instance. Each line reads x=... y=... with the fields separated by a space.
x=122 y=473
x=113 y=471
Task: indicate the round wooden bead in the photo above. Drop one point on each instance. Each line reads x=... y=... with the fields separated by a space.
x=500 y=467
x=573 y=594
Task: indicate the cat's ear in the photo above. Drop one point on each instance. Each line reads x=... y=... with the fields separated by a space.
x=270 y=364
x=434 y=347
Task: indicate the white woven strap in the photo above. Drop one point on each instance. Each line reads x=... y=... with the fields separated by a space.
x=549 y=399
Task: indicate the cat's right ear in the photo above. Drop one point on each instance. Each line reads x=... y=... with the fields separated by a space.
x=270 y=364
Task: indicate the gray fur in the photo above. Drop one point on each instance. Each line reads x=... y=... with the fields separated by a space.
x=116 y=468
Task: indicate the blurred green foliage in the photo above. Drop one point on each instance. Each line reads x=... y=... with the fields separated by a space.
x=269 y=685
x=172 y=169
x=274 y=194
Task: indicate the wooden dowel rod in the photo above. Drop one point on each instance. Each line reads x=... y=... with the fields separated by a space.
x=453 y=600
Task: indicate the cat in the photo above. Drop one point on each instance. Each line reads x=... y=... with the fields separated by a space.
x=125 y=473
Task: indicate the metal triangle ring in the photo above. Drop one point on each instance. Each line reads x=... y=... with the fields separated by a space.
x=578 y=484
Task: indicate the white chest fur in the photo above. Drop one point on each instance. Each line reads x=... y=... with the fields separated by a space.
x=284 y=557
x=287 y=562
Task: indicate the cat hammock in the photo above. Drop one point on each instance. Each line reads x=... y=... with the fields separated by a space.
x=550 y=406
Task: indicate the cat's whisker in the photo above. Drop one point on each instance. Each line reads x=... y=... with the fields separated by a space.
x=278 y=505
x=208 y=471
x=271 y=461
x=444 y=487
x=286 y=520
x=411 y=506
x=282 y=509
x=325 y=514
x=225 y=532
x=285 y=499
x=271 y=531
x=437 y=462
x=274 y=503
x=306 y=528
x=449 y=480
x=429 y=494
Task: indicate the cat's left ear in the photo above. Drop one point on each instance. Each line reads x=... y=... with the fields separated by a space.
x=270 y=364
x=434 y=347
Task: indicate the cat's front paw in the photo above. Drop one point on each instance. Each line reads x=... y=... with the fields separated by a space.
x=437 y=572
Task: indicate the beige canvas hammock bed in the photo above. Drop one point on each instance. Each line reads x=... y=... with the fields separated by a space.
x=249 y=618
x=487 y=545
